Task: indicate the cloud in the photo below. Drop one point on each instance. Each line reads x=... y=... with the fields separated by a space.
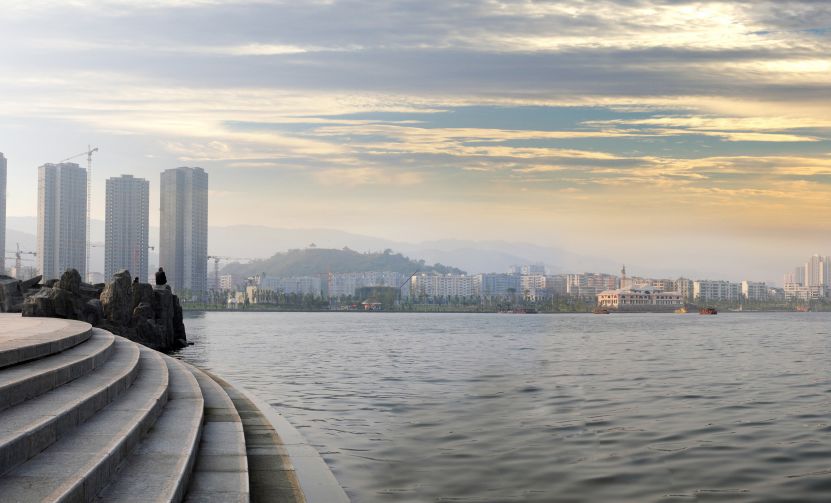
x=352 y=177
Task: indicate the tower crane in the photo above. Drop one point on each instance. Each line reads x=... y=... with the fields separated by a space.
x=216 y=260
x=88 y=154
x=18 y=257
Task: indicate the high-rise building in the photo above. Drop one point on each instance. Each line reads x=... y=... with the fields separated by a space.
x=183 y=240
x=3 y=166
x=126 y=226
x=62 y=219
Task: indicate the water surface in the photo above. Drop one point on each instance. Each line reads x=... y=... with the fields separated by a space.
x=542 y=408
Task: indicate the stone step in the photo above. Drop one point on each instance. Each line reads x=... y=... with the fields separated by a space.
x=28 y=380
x=272 y=476
x=28 y=428
x=160 y=467
x=24 y=339
x=78 y=466
x=221 y=470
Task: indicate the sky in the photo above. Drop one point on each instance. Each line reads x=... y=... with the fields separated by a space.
x=670 y=134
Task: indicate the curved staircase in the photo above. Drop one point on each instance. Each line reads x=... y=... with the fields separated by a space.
x=89 y=416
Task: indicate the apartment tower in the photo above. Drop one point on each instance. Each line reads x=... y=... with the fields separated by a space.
x=126 y=226
x=62 y=219
x=183 y=240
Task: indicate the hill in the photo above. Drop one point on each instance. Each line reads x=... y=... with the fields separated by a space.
x=314 y=261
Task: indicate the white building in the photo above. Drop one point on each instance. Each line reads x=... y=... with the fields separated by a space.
x=795 y=291
x=683 y=286
x=434 y=286
x=590 y=284
x=183 y=237
x=754 y=291
x=62 y=219
x=226 y=282
x=705 y=290
x=639 y=298
x=126 y=226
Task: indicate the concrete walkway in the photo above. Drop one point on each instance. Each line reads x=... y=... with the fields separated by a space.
x=88 y=416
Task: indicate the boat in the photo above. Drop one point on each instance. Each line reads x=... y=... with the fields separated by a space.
x=600 y=310
x=802 y=309
x=708 y=310
x=681 y=310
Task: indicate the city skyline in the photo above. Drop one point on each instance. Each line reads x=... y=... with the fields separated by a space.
x=675 y=132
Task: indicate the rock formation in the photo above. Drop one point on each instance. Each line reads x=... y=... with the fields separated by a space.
x=138 y=311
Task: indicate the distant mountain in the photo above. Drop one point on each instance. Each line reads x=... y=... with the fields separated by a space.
x=314 y=261
x=259 y=242
x=253 y=241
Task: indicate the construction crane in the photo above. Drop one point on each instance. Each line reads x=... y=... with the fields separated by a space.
x=216 y=260
x=18 y=257
x=88 y=154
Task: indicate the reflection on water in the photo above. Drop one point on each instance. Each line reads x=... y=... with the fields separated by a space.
x=442 y=407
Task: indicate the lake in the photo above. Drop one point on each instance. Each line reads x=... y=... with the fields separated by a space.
x=544 y=408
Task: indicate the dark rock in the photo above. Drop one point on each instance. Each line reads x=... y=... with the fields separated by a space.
x=93 y=312
x=11 y=295
x=30 y=283
x=140 y=312
x=71 y=281
x=50 y=283
x=117 y=299
x=53 y=303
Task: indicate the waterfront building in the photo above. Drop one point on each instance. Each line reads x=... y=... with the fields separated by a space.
x=183 y=238
x=816 y=271
x=346 y=284
x=795 y=291
x=496 y=285
x=754 y=291
x=126 y=226
x=639 y=299
x=3 y=174
x=683 y=286
x=557 y=284
x=708 y=290
x=797 y=277
x=301 y=285
x=589 y=285
x=441 y=286
x=62 y=219
x=226 y=282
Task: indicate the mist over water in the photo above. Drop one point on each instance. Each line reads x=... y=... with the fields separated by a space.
x=541 y=408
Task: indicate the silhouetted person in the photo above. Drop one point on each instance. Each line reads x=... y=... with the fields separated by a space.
x=161 y=277
x=135 y=281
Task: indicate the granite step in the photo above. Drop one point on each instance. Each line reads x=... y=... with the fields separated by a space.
x=221 y=470
x=272 y=476
x=160 y=467
x=79 y=465
x=34 y=338
x=28 y=428
x=25 y=381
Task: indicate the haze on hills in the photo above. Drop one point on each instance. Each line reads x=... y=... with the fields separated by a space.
x=247 y=242
x=316 y=261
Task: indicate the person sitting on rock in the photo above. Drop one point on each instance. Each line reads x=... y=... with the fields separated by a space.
x=135 y=281
x=161 y=277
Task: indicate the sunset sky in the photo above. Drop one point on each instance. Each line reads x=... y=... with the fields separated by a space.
x=648 y=132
